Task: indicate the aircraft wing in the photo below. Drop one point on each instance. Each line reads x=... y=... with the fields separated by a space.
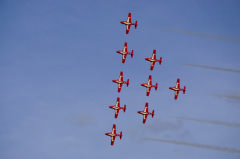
x=120 y=76
x=178 y=83
x=120 y=79
x=112 y=140
x=148 y=90
x=150 y=80
x=129 y=18
x=119 y=87
x=125 y=47
x=127 y=28
x=154 y=55
x=144 y=118
x=124 y=58
x=116 y=113
x=114 y=129
x=146 y=108
x=176 y=95
x=152 y=65
x=118 y=102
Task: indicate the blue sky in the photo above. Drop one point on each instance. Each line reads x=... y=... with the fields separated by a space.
x=57 y=60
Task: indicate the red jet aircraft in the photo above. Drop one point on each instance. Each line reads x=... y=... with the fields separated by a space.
x=117 y=107
x=153 y=60
x=145 y=113
x=128 y=23
x=120 y=82
x=124 y=53
x=149 y=85
x=177 y=89
x=113 y=134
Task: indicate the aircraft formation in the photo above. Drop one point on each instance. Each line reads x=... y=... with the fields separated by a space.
x=120 y=81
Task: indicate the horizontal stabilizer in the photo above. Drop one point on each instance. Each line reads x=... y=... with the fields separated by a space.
x=120 y=135
x=127 y=82
x=160 y=61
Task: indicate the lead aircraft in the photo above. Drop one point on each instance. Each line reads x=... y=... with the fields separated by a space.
x=120 y=82
x=117 y=107
x=128 y=23
x=113 y=134
x=149 y=85
x=177 y=89
x=145 y=113
x=124 y=53
x=153 y=60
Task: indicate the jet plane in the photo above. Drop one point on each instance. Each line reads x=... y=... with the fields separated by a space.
x=177 y=89
x=117 y=107
x=120 y=82
x=113 y=134
x=128 y=23
x=153 y=60
x=149 y=85
x=145 y=113
x=124 y=53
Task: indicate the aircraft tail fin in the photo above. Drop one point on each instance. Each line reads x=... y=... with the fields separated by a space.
x=135 y=25
x=124 y=108
x=120 y=135
x=127 y=82
x=160 y=61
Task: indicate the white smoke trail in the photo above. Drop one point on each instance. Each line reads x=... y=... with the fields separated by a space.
x=204 y=35
x=226 y=96
x=211 y=122
x=232 y=150
x=213 y=68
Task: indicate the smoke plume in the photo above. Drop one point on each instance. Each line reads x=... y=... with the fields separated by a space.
x=232 y=150
x=204 y=35
x=211 y=122
x=213 y=68
x=227 y=96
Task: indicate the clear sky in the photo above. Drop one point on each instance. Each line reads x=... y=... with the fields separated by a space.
x=58 y=58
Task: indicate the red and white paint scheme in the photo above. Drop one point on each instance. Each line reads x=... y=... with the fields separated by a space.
x=128 y=23
x=177 y=89
x=113 y=134
x=120 y=82
x=124 y=53
x=153 y=60
x=149 y=85
x=145 y=113
x=117 y=107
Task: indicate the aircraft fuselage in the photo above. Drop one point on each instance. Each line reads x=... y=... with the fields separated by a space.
x=152 y=60
x=127 y=23
x=123 y=52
